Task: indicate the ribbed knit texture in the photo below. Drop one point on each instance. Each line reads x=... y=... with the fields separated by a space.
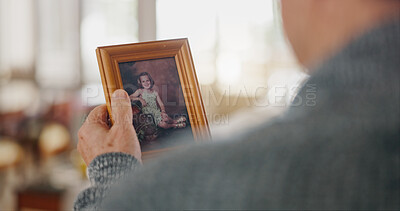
x=336 y=148
x=104 y=171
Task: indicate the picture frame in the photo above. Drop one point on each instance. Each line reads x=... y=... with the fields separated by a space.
x=156 y=71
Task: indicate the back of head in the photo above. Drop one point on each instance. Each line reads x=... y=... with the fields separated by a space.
x=317 y=29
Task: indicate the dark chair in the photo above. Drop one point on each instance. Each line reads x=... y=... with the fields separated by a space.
x=145 y=126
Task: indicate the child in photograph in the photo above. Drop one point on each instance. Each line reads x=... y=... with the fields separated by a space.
x=149 y=98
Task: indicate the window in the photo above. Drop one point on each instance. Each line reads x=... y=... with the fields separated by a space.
x=105 y=22
x=238 y=48
x=57 y=53
x=235 y=43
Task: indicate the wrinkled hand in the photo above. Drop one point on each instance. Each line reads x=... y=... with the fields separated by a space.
x=96 y=137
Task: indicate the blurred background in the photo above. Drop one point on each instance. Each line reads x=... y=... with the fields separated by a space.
x=49 y=78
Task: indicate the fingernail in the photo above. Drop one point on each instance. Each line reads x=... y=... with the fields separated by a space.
x=119 y=93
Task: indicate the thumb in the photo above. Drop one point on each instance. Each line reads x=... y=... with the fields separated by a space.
x=121 y=108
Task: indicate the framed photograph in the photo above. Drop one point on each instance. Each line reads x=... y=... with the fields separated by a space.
x=161 y=82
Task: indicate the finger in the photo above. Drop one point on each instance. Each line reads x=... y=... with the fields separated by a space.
x=98 y=116
x=121 y=108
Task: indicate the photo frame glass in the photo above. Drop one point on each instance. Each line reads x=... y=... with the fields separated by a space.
x=158 y=105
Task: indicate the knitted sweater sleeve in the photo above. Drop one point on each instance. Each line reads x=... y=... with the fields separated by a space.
x=103 y=171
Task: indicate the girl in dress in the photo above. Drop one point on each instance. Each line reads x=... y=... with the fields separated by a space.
x=149 y=99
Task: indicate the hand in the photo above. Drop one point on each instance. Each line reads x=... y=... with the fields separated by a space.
x=143 y=102
x=96 y=137
x=164 y=114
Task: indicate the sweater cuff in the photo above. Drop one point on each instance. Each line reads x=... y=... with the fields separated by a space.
x=107 y=168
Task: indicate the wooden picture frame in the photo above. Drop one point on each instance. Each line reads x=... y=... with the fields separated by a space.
x=155 y=56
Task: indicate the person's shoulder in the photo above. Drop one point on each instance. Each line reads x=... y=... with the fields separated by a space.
x=139 y=91
x=154 y=91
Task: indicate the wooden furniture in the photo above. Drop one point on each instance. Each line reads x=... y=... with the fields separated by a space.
x=39 y=199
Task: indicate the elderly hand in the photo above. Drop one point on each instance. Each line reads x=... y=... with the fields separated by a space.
x=96 y=137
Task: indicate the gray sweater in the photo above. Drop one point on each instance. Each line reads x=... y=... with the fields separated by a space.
x=336 y=148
